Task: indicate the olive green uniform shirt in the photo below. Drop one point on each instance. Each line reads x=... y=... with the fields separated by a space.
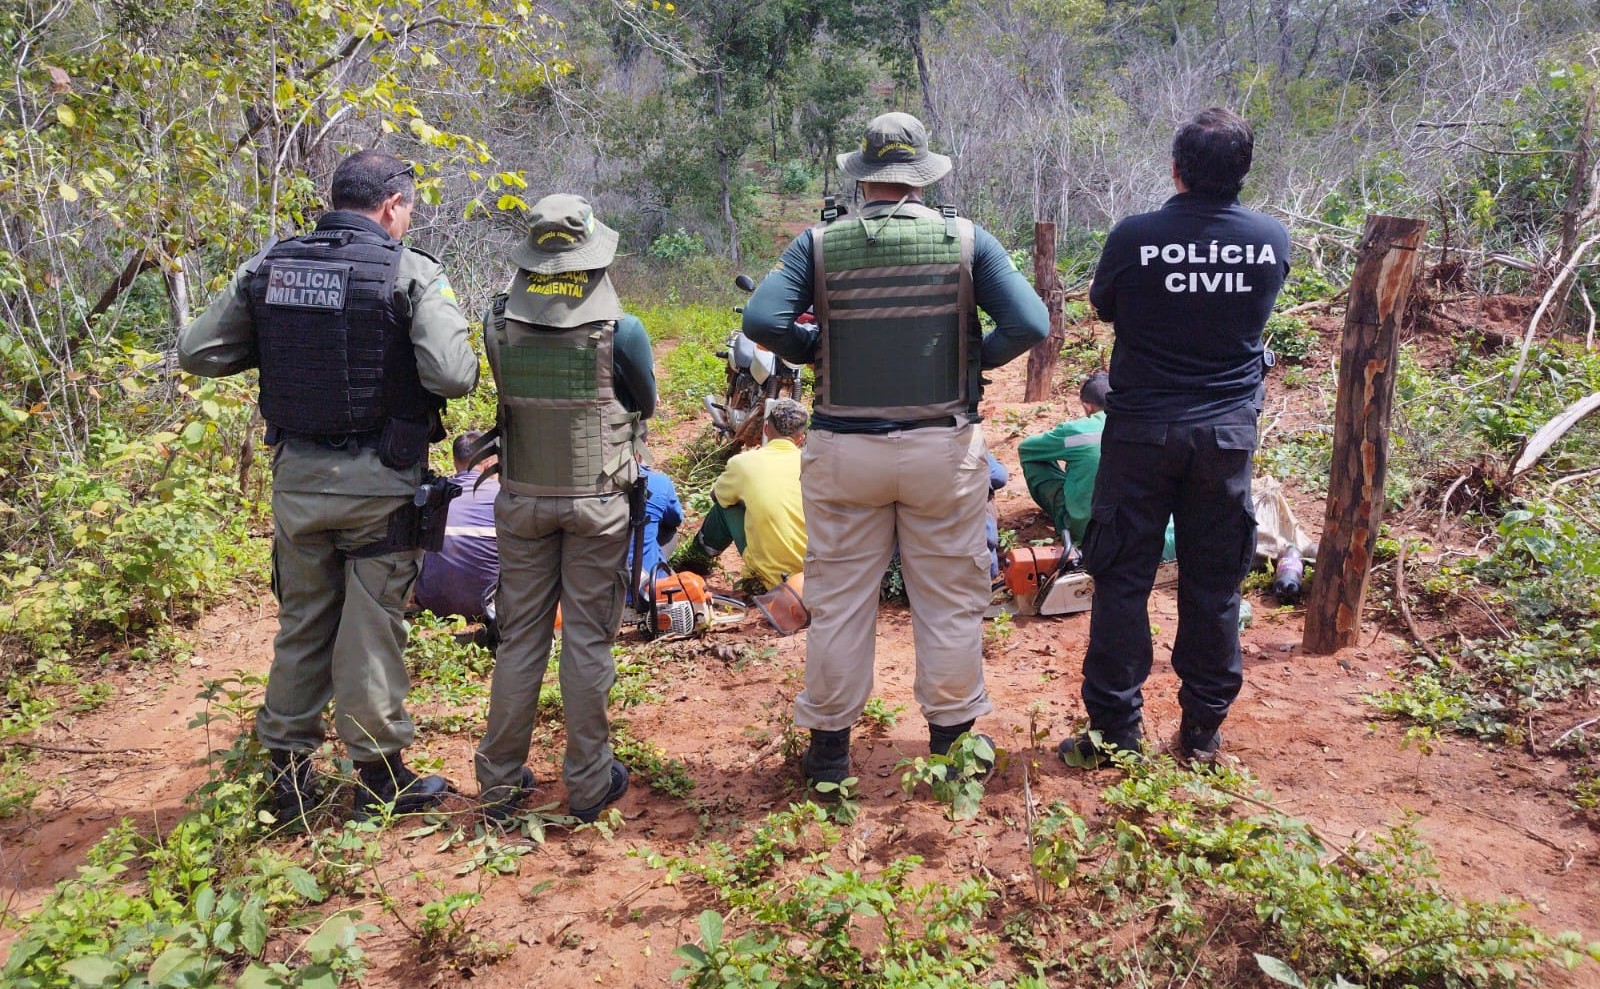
x=222 y=341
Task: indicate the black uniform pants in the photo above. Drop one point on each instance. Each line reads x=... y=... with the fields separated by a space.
x=1199 y=474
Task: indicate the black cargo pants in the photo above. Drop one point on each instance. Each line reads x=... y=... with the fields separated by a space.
x=1199 y=474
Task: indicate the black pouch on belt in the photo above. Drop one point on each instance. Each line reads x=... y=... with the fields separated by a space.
x=404 y=442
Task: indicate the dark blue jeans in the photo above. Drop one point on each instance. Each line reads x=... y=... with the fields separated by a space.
x=1199 y=474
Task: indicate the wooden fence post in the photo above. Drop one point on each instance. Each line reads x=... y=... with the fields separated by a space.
x=1386 y=263
x=1042 y=358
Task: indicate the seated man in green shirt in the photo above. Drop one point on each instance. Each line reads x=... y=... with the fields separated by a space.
x=757 y=506
x=1060 y=465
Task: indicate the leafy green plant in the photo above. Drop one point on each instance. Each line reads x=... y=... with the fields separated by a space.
x=1187 y=847
x=1290 y=337
x=956 y=778
x=879 y=716
x=667 y=775
x=676 y=246
x=824 y=925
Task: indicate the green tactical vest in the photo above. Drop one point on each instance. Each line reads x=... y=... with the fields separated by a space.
x=894 y=302
x=562 y=431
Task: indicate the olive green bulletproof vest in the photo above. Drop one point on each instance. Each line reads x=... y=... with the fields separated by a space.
x=562 y=431
x=894 y=301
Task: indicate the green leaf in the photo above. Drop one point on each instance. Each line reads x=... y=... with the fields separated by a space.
x=194 y=433
x=318 y=977
x=1279 y=971
x=205 y=902
x=259 y=976
x=66 y=116
x=90 y=971
x=67 y=192
x=711 y=928
x=337 y=932
x=253 y=926
x=173 y=962
x=303 y=883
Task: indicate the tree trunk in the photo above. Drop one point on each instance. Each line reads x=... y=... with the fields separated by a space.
x=725 y=172
x=177 y=278
x=1572 y=211
x=1042 y=358
x=924 y=80
x=1385 y=267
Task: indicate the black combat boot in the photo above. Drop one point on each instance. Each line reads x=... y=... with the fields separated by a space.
x=942 y=737
x=295 y=789
x=389 y=781
x=500 y=803
x=1199 y=745
x=617 y=787
x=827 y=759
x=1083 y=752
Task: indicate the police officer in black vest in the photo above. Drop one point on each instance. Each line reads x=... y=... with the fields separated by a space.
x=359 y=340
x=1188 y=288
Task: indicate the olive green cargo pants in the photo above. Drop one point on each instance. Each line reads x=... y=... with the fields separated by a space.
x=925 y=490
x=341 y=628
x=571 y=551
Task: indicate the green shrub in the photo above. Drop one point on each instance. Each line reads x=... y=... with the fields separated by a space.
x=1290 y=337
x=676 y=246
x=795 y=177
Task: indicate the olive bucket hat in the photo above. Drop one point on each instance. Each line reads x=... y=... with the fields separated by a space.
x=564 y=235
x=562 y=263
x=895 y=150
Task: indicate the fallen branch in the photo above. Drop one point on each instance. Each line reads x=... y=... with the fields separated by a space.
x=1550 y=432
x=1444 y=506
x=1580 y=726
x=1316 y=304
x=1544 y=303
x=1582 y=475
x=1405 y=607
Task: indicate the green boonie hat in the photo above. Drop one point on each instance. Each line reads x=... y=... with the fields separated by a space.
x=562 y=299
x=565 y=236
x=895 y=149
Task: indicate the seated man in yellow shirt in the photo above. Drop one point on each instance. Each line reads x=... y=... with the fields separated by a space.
x=757 y=506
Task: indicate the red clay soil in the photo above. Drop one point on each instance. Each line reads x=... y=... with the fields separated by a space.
x=584 y=911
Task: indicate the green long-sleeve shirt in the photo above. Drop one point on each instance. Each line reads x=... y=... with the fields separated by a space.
x=1020 y=318
x=1067 y=458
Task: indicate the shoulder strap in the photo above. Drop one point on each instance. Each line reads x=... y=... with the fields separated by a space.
x=819 y=275
x=430 y=257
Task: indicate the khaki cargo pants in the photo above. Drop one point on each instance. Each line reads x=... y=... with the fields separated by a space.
x=571 y=551
x=341 y=627
x=925 y=489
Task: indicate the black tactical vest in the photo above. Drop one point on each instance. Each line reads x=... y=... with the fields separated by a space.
x=336 y=358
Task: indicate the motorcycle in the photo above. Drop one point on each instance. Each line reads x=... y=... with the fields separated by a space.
x=755 y=376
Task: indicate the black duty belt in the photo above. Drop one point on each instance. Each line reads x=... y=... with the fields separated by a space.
x=344 y=441
x=883 y=427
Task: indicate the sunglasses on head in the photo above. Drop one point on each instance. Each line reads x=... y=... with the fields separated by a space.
x=410 y=170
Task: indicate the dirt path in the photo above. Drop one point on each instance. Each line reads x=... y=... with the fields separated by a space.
x=582 y=911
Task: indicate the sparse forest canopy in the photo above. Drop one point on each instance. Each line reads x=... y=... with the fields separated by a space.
x=148 y=147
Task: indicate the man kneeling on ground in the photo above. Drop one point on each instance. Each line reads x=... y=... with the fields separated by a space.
x=757 y=506
x=455 y=580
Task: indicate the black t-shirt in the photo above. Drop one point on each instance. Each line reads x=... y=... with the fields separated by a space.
x=1189 y=288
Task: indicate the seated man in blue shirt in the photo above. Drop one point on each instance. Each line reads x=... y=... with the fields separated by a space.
x=455 y=579
x=663 y=513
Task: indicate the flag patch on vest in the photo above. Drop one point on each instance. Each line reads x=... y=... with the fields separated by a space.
x=307 y=284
